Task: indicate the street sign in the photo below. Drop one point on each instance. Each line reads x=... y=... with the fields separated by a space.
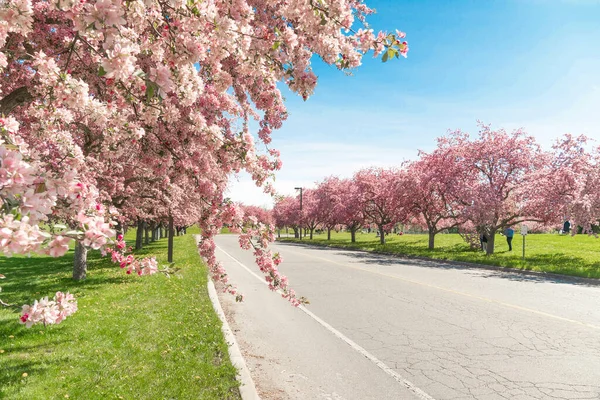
x=524 y=233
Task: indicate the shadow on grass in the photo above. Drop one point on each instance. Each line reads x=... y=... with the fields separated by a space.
x=12 y=373
x=29 y=278
x=43 y=352
x=13 y=369
x=17 y=359
x=152 y=248
x=558 y=268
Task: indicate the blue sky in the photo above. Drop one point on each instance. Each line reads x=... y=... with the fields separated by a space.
x=513 y=63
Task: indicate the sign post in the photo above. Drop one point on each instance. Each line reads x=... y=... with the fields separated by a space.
x=524 y=233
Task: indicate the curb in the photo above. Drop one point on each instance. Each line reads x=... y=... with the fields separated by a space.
x=247 y=387
x=464 y=264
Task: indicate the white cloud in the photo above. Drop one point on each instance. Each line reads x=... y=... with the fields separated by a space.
x=320 y=140
x=306 y=163
x=579 y=116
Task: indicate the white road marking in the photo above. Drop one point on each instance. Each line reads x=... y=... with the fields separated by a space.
x=399 y=378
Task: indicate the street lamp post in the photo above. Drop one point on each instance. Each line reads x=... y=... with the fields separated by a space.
x=300 y=225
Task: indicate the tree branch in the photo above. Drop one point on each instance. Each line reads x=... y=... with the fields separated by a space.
x=14 y=99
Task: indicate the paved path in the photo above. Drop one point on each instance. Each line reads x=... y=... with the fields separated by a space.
x=452 y=332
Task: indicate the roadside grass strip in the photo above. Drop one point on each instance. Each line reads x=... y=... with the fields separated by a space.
x=149 y=337
x=559 y=254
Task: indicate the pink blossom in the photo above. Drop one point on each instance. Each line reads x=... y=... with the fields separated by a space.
x=48 y=311
x=58 y=246
x=162 y=77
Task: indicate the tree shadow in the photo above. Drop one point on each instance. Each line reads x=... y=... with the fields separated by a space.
x=16 y=362
x=493 y=267
x=411 y=246
x=29 y=278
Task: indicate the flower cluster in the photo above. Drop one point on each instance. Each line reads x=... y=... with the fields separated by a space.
x=30 y=195
x=145 y=266
x=254 y=235
x=49 y=312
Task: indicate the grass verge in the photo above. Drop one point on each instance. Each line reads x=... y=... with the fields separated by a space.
x=561 y=254
x=133 y=337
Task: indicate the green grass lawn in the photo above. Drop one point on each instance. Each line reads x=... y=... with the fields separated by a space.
x=133 y=337
x=569 y=255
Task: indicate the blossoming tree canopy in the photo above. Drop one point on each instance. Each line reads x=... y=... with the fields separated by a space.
x=89 y=86
x=151 y=71
x=286 y=213
x=571 y=181
x=434 y=182
x=383 y=198
x=350 y=211
x=498 y=178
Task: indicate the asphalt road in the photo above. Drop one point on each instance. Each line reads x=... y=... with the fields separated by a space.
x=388 y=328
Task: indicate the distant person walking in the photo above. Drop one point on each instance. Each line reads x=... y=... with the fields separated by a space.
x=509 y=233
x=484 y=240
x=566 y=227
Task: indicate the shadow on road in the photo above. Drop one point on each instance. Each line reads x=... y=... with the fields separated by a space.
x=489 y=271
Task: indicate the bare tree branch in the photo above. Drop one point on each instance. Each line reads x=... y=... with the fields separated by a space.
x=14 y=99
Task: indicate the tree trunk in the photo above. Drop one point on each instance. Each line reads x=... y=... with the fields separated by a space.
x=146 y=234
x=328 y=233
x=170 y=246
x=119 y=228
x=296 y=233
x=139 y=235
x=490 y=243
x=80 y=262
x=431 y=239
x=381 y=234
x=353 y=235
x=311 y=233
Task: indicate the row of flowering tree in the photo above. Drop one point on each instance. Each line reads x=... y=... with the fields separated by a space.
x=116 y=113
x=480 y=185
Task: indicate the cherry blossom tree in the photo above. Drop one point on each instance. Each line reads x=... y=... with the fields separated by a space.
x=261 y=214
x=432 y=191
x=382 y=197
x=286 y=213
x=350 y=207
x=311 y=211
x=569 y=180
x=88 y=85
x=328 y=203
x=498 y=179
